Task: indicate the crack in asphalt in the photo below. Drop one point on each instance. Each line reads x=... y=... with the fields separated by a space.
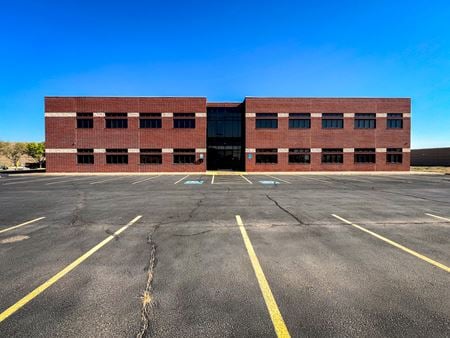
x=285 y=210
x=147 y=300
x=76 y=212
x=194 y=234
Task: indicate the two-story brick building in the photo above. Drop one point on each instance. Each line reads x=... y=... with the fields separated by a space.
x=189 y=134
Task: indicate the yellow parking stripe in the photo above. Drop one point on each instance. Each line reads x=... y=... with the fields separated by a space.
x=399 y=246
x=20 y=225
x=36 y=292
x=438 y=217
x=275 y=314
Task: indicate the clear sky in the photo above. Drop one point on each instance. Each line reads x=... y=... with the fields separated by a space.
x=225 y=50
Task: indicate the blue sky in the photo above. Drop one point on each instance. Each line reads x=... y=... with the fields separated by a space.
x=225 y=50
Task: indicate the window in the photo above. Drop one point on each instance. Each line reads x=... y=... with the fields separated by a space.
x=299 y=120
x=151 y=156
x=85 y=120
x=266 y=121
x=184 y=120
x=332 y=120
x=333 y=155
x=394 y=121
x=117 y=156
x=299 y=155
x=116 y=120
x=365 y=155
x=266 y=156
x=365 y=121
x=394 y=155
x=85 y=156
x=183 y=156
x=150 y=120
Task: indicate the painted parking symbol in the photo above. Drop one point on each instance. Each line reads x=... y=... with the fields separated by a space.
x=269 y=182
x=193 y=182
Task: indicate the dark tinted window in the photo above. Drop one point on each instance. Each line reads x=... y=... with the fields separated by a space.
x=299 y=155
x=184 y=156
x=394 y=121
x=365 y=121
x=394 y=155
x=332 y=120
x=150 y=123
x=85 y=156
x=151 y=156
x=116 y=123
x=117 y=156
x=333 y=155
x=85 y=120
x=266 y=155
x=266 y=121
x=365 y=155
x=184 y=120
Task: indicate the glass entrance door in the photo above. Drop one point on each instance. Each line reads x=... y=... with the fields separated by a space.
x=225 y=144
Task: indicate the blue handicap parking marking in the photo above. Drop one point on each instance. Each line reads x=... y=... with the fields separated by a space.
x=269 y=182
x=193 y=182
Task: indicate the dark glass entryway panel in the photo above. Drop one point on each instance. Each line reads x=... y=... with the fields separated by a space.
x=225 y=139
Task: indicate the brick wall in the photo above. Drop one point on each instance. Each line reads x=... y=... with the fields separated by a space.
x=316 y=137
x=61 y=133
x=62 y=136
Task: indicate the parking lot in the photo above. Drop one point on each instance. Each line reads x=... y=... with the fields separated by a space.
x=225 y=255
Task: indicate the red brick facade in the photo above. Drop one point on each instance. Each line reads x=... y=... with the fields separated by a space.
x=63 y=138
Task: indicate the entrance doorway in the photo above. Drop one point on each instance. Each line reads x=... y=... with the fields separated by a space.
x=225 y=141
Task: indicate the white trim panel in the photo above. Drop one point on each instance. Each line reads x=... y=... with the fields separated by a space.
x=316 y=114
x=380 y=150
x=200 y=114
x=349 y=150
x=283 y=150
x=407 y=115
x=133 y=150
x=61 y=114
x=133 y=114
x=167 y=114
x=283 y=114
x=250 y=115
x=61 y=151
x=167 y=150
x=316 y=150
x=99 y=151
x=200 y=150
x=250 y=150
x=98 y=114
x=406 y=150
x=349 y=114
x=381 y=114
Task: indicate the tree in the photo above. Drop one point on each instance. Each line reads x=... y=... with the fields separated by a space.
x=13 y=151
x=36 y=150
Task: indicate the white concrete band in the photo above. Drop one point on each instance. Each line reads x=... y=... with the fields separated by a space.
x=61 y=114
x=406 y=150
x=133 y=114
x=316 y=150
x=98 y=114
x=250 y=114
x=99 y=150
x=381 y=114
x=200 y=150
x=167 y=150
x=380 y=150
x=283 y=114
x=407 y=115
x=349 y=150
x=250 y=150
x=200 y=114
x=133 y=150
x=167 y=114
x=60 y=151
x=349 y=114
x=283 y=150
x=316 y=114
